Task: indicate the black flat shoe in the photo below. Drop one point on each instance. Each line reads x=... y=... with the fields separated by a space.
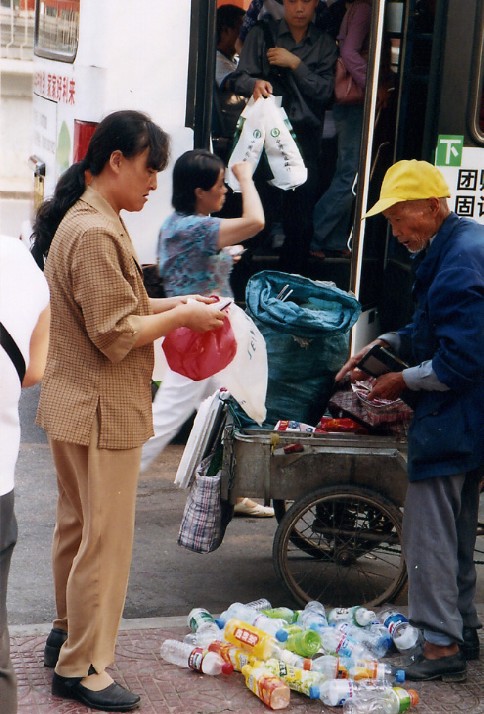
x=470 y=646
x=52 y=647
x=114 y=698
x=449 y=669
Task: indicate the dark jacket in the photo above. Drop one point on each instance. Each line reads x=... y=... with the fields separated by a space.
x=306 y=91
x=446 y=436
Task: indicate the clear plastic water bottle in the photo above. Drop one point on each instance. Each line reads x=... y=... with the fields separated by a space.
x=331 y=667
x=204 y=629
x=375 y=638
x=335 y=692
x=393 y=700
x=260 y=604
x=372 y=669
x=405 y=637
x=356 y=615
x=270 y=689
x=184 y=655
x=340 y=644
x=246 y=613
x=313 y=616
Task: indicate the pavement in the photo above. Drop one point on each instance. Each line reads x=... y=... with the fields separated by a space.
x=166 y=582
x=166 y=689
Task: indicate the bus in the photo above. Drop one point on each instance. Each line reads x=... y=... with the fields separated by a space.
x=94 y=57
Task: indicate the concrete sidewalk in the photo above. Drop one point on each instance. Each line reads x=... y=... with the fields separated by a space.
x=166 y=689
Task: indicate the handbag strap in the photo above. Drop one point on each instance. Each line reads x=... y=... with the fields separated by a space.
x=13 y=351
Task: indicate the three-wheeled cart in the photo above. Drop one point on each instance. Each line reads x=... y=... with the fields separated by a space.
x=338 y=499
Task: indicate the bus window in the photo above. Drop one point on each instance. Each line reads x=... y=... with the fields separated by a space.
x=57 y=29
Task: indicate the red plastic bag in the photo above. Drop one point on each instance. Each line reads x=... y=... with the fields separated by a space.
x=198 y=355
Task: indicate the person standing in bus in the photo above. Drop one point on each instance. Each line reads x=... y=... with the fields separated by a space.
x=194 y=256
x=332 y=213
x=291 y=58
x=24 y=320
x=95 y=401
x=444 y=344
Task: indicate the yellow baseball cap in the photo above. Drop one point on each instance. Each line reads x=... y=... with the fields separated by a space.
x=409 y=181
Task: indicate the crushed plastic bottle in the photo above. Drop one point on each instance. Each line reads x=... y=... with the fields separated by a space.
x=335 y=692
x=375 y=637
x=270 y=689
x=356 y=615
x=331 y=667
x=260 y=605
x=246 y=613
x=184 y=655
x=392 y=700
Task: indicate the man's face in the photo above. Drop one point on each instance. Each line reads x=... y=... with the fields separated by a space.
x=412 y=223
x=299 y=13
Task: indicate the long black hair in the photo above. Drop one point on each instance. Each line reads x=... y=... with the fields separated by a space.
x=128 y=131
x=197 y=168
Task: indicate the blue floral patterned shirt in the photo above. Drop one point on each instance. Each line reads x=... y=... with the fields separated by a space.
x=189 y=257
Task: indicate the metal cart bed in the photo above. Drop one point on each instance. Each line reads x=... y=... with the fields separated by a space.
x=338 y=499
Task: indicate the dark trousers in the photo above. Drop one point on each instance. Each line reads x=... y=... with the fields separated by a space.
x=439 y=534
x=8 y=538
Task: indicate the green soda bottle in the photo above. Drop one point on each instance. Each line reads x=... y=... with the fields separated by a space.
x=303 y=642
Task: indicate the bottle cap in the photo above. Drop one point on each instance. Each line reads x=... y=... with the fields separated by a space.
x=220 y=622
x=281 y=635
x=414 y=697
x=400 y=676
x=314 y=691
x=227 y=668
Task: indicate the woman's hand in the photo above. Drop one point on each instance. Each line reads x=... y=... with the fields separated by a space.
x=200 y=317
x=242 y=171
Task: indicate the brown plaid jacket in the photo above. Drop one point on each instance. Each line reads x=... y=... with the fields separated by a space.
x=96 y=288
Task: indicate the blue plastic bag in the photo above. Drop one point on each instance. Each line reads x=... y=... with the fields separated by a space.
x=307 y=339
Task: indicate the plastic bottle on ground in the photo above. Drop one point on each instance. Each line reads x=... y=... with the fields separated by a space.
x=405 y=637
x=393 y=700
x=250 y=638
x=299 y=680
x=184 y=655
x=331 y=667
x=340 y=644
x=260 y=604
x=247 y=614
x=375 y=637
x=313 y=616
x=372 y=669
x=203 y=626
x=281 y=613
x=335 y=692
x=270 y=689
x=357 y=615
x=305 y=643
x=235 y=656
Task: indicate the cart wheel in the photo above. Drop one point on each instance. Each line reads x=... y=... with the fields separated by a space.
x=341 y=545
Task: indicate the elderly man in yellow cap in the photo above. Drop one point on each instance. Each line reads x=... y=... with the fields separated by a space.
x=444 y=346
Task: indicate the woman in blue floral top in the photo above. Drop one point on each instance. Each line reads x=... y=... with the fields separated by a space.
x=194 y=253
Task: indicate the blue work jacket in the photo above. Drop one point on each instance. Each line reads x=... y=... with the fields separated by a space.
x=446 y=436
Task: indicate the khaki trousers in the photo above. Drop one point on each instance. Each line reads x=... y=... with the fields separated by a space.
x=92 y=548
